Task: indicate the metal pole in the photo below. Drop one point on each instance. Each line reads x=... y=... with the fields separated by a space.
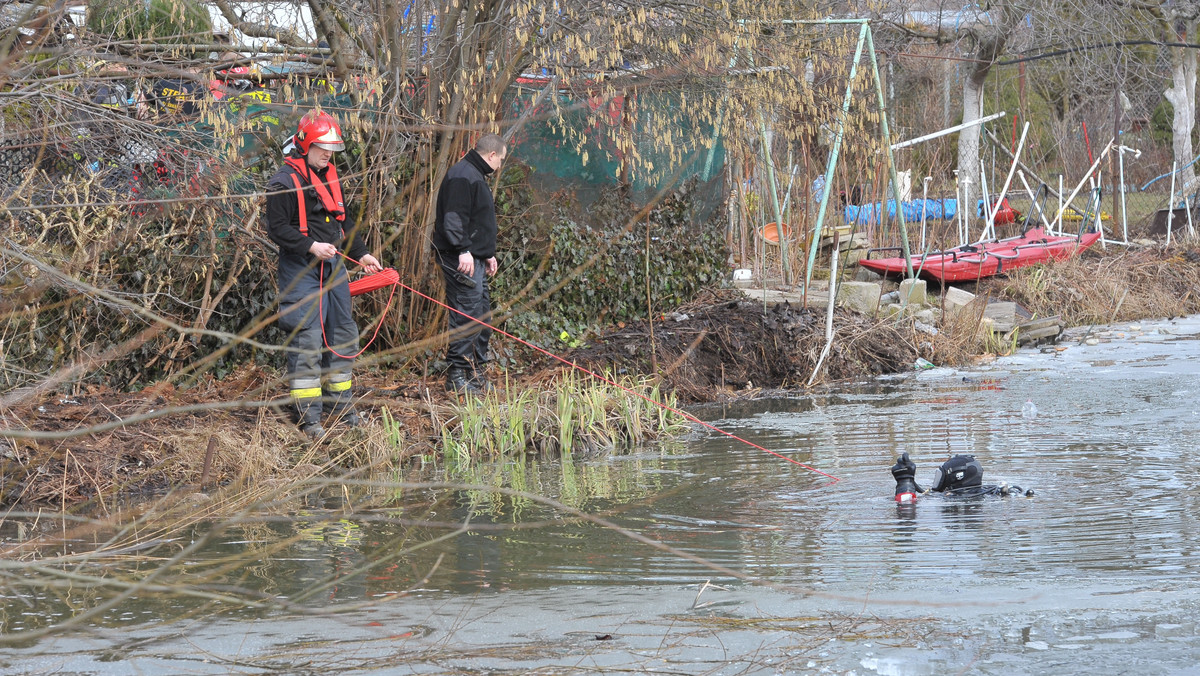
x=924 y=204
x=1060 y=203
x=1058 y=218
x=1171 y=202
x=949 y=130
x=1008 y=180
x=831 y=164
x=887 y=141
x=1032 y=174
x=1097 y=193
x=1121 y=168
x=987 y=202
x=1032 y=198
x=805 y=22
x=957 y=210
x=964 y=232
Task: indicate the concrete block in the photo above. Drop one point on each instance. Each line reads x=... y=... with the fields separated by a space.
x=926 y=316
x=865 y=275
x=893 y=310
x=912 y=292
x=957 y=299
x=861 y=297
x=852 y=257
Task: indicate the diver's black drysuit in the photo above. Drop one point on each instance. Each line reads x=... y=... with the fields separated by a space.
x=960 y=476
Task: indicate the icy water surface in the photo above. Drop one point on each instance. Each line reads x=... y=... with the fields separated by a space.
x=1098 y=571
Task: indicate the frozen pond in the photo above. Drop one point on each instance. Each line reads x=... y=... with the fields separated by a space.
x=1098 y=571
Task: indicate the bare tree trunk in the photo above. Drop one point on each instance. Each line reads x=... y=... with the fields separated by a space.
x=1182 y=97
x=968 y=139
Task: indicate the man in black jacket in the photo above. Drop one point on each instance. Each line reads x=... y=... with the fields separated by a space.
x=464 y=241
x=305 y=218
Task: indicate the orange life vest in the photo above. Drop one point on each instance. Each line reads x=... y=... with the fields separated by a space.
x=330 y=196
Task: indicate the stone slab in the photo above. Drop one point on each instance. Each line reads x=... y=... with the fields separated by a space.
x=912 y=292
x=862 y=297
x=957 y=299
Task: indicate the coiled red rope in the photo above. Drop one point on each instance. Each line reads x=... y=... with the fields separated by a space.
x=382 y=277
x=372 y=282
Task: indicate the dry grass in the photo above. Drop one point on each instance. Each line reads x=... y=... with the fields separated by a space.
x=962 y=337
x=1099 y=288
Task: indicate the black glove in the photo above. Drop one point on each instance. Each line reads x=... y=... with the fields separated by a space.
x=905 y=473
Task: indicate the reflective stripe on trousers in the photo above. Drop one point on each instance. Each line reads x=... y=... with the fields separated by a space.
x=300 y=317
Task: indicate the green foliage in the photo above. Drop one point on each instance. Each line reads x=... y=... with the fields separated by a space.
x=606 y=261
x=179 y=20
x=1162 y=121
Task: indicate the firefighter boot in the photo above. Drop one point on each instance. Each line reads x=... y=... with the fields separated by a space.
x=338 y=402
x=458 y=380
x=339 y=406
x=308 y=417
x=480 y=380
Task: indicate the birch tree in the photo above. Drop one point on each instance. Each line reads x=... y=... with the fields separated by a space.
x=1179 y=21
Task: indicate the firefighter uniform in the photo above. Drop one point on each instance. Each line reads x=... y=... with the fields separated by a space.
x=304 y=205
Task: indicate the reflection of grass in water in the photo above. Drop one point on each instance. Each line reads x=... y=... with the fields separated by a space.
x=572 y=482
x=160 y=554
x=253 y=567
x=814 y=631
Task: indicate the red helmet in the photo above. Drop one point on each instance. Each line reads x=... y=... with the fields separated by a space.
x=320 y=129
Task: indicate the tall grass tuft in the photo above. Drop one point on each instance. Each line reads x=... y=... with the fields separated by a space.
x=574 y=415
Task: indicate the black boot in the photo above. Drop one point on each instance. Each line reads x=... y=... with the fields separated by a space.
x=458 y=380
x=308 y=417
x=340 y=406
x=479 y=379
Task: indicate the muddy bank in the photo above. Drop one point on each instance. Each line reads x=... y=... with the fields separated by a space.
x=726 y=343
x=721 y=346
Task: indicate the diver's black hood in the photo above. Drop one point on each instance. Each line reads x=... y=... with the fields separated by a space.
x=961 y=471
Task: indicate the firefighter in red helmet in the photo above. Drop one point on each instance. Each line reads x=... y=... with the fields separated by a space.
x=306 y=218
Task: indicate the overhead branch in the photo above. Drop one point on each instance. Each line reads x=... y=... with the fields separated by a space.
x=257 y=30
x=325 y=25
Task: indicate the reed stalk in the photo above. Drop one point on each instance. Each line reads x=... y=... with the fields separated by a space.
x=573 y=415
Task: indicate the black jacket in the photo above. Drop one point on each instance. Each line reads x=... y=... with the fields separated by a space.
x=283 y=221
x=466 y=212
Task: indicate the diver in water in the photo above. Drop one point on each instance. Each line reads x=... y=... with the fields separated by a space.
x=960 y=476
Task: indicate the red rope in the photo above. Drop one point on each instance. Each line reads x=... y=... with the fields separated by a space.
x=597 y=376
x=1088 y=141
x=321 y=312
